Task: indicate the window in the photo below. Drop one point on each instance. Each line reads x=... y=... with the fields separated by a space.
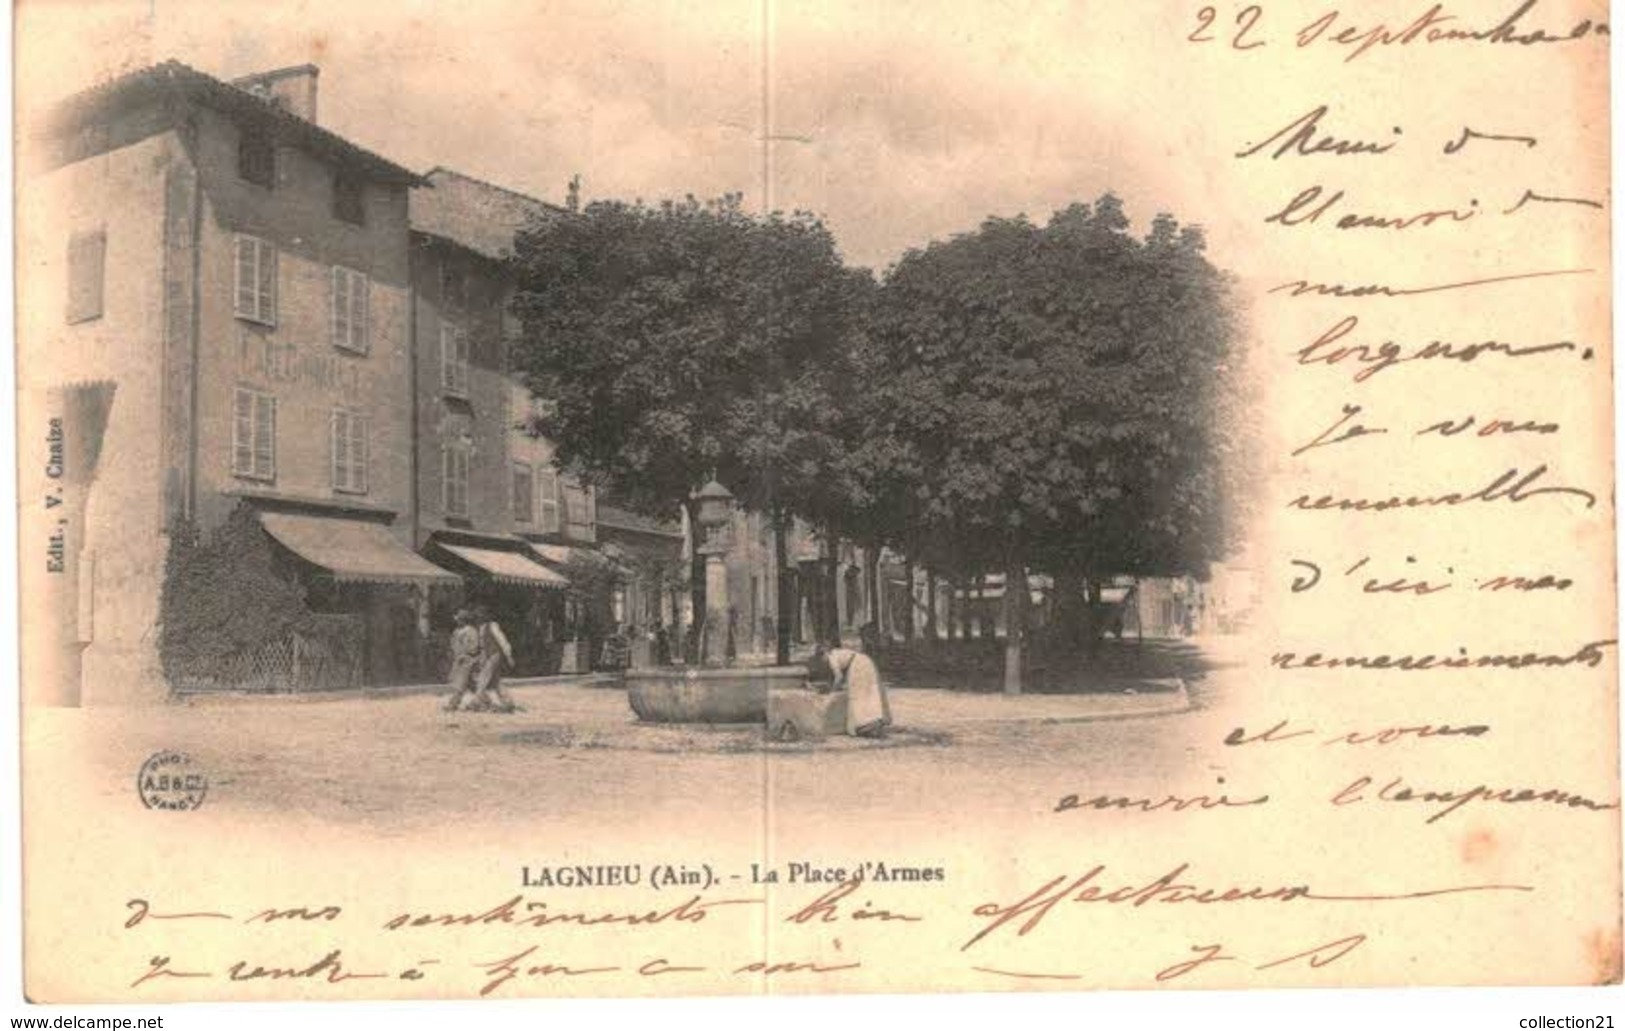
x=349 y=452
x=454 y=479
x=453 y=360
x=524 y=493
x=87 y=264
x=256 y=156
x=350 y=289
x=550 y=502
x=580 y=506
x=253 y=435
x=256 y=280
x=349 y=199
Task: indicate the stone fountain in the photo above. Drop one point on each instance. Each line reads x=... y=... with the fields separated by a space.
x=717 y=690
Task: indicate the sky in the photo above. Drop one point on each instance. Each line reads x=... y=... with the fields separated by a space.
x=898 y=123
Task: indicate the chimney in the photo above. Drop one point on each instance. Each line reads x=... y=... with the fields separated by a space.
x=292 y=89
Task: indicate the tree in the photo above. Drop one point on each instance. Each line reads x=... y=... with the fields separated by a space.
x=1053 y=398
x=681 y=342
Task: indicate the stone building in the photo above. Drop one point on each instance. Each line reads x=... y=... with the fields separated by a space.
x=234 y=329
x=488 y=495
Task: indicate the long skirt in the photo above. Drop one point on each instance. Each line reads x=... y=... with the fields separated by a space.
x=866 y=701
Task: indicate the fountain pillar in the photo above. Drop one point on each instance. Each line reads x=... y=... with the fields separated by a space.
x=716 y=520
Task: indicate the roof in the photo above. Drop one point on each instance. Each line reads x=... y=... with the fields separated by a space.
x=621 y=519
x=352 y=550
x=173 y=76
x=473 y=213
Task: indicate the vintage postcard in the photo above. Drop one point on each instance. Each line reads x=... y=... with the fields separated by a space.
x=537 y=498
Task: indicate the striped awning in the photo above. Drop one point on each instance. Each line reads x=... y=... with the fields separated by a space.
x=353 y=550
x=508 y=566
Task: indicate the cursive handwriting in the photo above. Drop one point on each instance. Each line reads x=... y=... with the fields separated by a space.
x=1396 y=790
x=1028 y=913
x=1310 y=576
x=1589 y=655
x=1510 y=487
x=1303 y=287
x=1468 y=135
x=1303 y=137
x=1374 y=358
x=1435 y=26
x=1312 y=203
x=1386 y=736
x=825 y=908
x=516 y=912
x=1531 y=197
x=1172 y=803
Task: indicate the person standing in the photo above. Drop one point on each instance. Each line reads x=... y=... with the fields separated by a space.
x=495 y=659
x=465 y=660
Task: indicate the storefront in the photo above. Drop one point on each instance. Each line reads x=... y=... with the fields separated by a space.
x=525 y=597
x=374 y=594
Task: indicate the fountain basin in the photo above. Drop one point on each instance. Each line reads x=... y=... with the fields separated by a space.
x=701 y=695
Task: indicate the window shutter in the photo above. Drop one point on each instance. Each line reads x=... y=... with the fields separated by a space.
x=358 y=312
x=524 y=493
x=459 y=345
x=550 y=502
x=247 y=276
x=341 y=307
x=339 y=436
x=445 y=477
x=358 y=453
x=447 y=357
x=242 y=434
x=267 y=283
x=264 y=435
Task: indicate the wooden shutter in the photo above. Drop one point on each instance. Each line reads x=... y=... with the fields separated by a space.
x=455 y=467
x=247 y=275
x=360 y=287
x=461 y=340
x=445 y=477
x=448 y=358
x=341 y=307
x=524 y=493
x=358 y=453
x=264 y=435
x=267 y=283
x=242 y=434
x=550 y=502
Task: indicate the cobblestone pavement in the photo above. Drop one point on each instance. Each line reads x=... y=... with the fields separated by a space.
x=577 y=753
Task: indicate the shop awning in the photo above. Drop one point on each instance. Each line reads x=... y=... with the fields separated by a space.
x=353 y=550
x=561 y=554
x=508 y=566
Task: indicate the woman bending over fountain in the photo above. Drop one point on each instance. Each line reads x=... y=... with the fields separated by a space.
x=868 y=710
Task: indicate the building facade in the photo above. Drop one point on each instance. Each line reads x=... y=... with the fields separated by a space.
x=238 y=278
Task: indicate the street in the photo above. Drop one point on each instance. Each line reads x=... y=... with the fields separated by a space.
x=576 y=754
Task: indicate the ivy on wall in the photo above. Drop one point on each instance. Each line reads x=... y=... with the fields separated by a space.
x=224 y=597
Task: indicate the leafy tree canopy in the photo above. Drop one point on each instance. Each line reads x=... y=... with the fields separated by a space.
x=683 y=341
x=1056 y=395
